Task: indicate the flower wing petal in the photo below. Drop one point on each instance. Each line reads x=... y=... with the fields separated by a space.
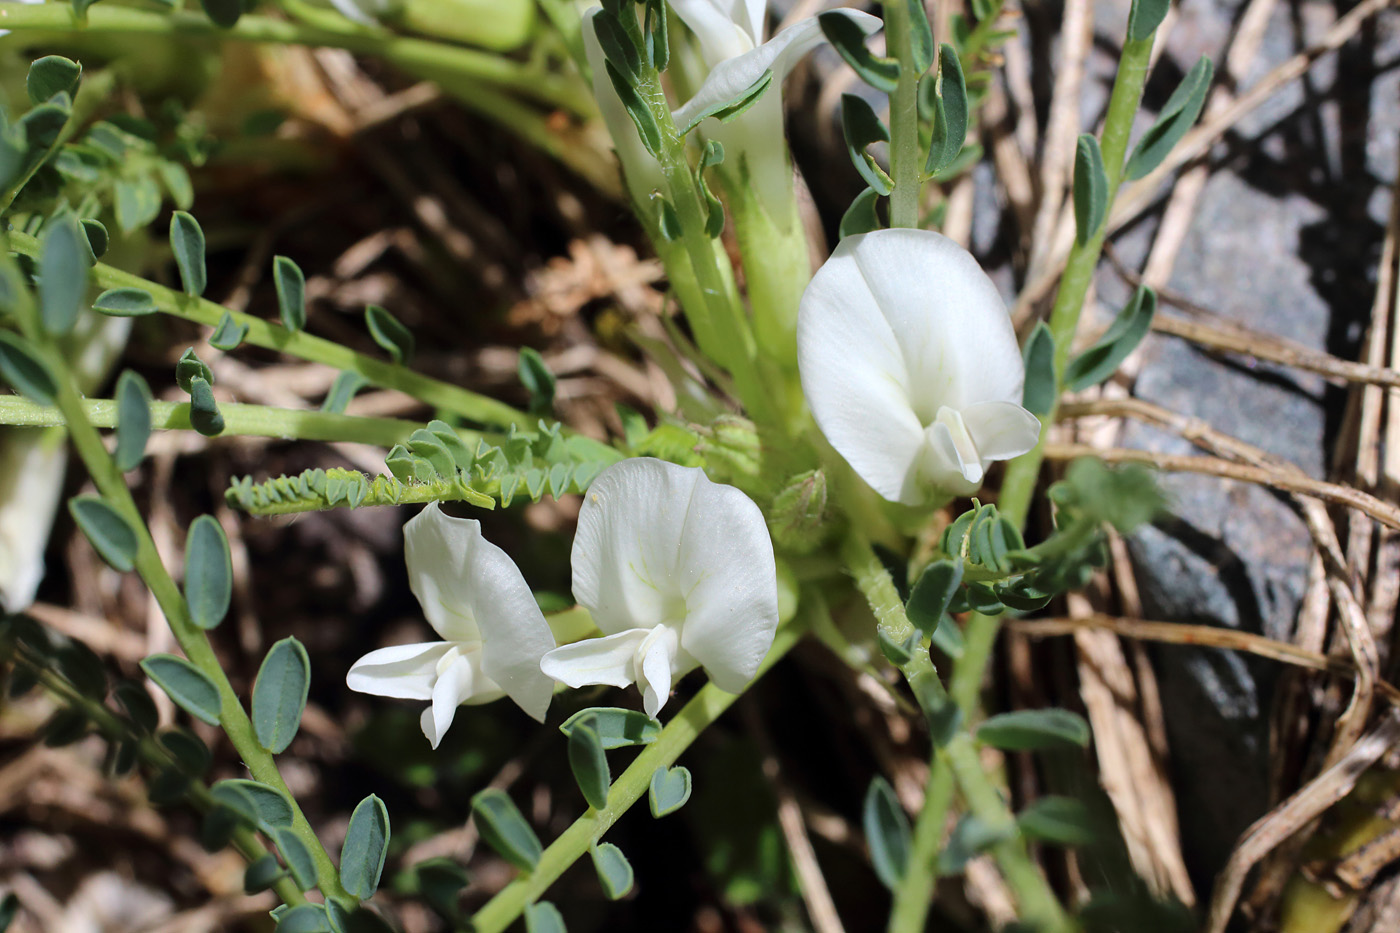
x=628 y=542
x=732 y=599
x=855 y=376
x=606 y=660
x=406 y=672
x=736 y=73
x=1001 y=430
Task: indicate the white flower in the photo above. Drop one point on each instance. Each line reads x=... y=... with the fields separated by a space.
x=730 y=34
x=677 y=571
x=910 y=365
x=493 y=632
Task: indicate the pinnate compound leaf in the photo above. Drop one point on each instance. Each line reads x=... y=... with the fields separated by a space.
x=505 y=830
x=24 y=371
x=1058 y=820
x=861 y=216
x=589 y=763
x=187 y=685
x=265 y=807
x=1145 y=16
x=133 y=420
x=1180 y=111
x=297 y=856
x=125 y=302
x=208 y=573
x=861 y=127
x=950 y=113
x=109 y=532
x=615 y=727
x=366 y=844
x=1100 y=361
x=1038 y=396
x=1090 y=188
x=279 y=694
x=849 y=41
x=228 y=334
x=887 y=832
x=291 y=292
x=670 y=789
x=929 y=599
x=544 y=917
x=187 y=243
x=614 y=871
x=1024 y=730
x=389 y=333
x=63 y=274
x=51 y=74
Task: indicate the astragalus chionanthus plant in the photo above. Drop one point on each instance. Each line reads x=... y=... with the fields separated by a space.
x=838 y=496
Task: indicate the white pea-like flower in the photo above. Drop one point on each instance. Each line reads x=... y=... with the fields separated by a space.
x=730 y=33
x=910 y=365
x=677 y=571
x=493 y=633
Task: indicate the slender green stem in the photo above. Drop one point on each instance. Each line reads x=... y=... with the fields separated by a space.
x=420 y=56
x=500 y=912
x=913 y=896
x=114 y=729
x=300 y=344
x=192 y=640
x=906 y=156
x=239 y=420
x=1022 y=473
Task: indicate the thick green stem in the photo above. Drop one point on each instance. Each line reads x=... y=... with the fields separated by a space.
x=502 y=910
x=150 y=751
x=906 y=155
x=239 y=420
x=1018 y=487
x=192 y=640
x=420 y=56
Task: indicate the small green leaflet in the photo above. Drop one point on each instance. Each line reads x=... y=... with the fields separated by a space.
x=669 y=790
x=1100 y=361
x=505 y=830
x=647 y=128
x=929 y=599
x=187 y=244
x=97 y=237
x=208 y=572
x=63 y=274
x=137 y=703
x=191 y=754
x=614 y=871
x=861 y=216
x=304 y=918
x=279 y=694
x=861 y=127
x=188 y=367
x=1038 y=396
x=262 y=874
x=297 y=856
x=714 y=217
x=125 y=302
x=50 y=75
x=187 y=685
x=1175 y=118
x=920 y=36
x=950 y=113
x=849 y=41
x=1023 y=730
x=291 y=292
x=1145 y=16
x=133 y=398
x=970 y=837
x=204 y=411
x=589 y=764
x=1057 y=820
x=543 y=917
x=1090 y=188
x=440 y=884
x=111 y=534
x=343 y=389
x=366 y=844
x=263 y=806
x=229 y=334
x=392 y=336
x=616 y=727
x=887 y=832
x=538 y=381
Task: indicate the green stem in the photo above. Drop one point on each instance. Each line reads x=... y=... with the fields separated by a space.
x=239 y=420
x=192 y=640
x=300 y=344
x=420 y=56
x=1018 y=487
x=502 y=910
x=906 y=155
x=913 y=896
x=114 y=729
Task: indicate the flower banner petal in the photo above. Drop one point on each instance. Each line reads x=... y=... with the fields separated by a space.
x=438 y=551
